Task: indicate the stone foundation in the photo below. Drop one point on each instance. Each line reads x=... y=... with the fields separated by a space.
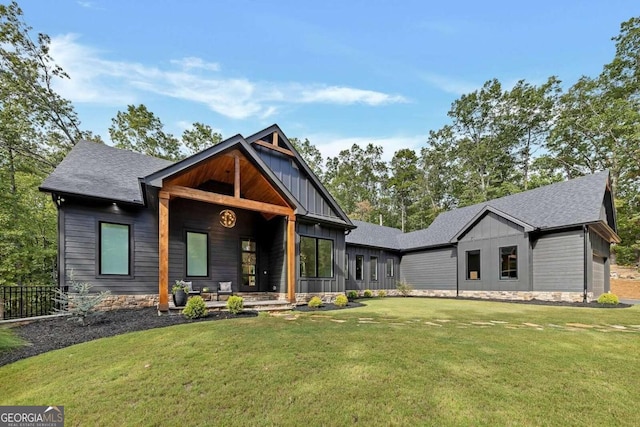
x=116 y=302
x=527 y=296
x=326 y=297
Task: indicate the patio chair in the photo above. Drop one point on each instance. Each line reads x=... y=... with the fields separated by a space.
x=224 y=288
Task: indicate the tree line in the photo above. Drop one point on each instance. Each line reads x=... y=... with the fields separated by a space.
x=498 y=141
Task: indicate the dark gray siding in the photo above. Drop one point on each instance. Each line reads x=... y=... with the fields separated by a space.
x=277 y=235
x=430 y=269
x=224 y=243
x=80 y=239
x=321 y=285
x=490 y=234
x=491 y=226
x=600 y=248
x=383 y=282
x=295 y=180
x=558 y=262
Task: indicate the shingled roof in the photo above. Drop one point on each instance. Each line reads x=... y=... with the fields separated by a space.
x=367 y=234
x=101 y=171
x=564 y=204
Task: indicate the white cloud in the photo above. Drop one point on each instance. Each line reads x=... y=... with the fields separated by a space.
x=331 y=145
x=96 y=79
x=347 y=95
x=192 y=62
x=450 y=84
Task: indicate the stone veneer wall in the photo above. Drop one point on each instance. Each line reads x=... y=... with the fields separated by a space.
x=528 y=296
x=116 y=302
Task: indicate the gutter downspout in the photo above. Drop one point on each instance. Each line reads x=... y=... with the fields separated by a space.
x=584 y=272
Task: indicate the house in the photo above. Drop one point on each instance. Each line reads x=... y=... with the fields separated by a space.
x=250 y=211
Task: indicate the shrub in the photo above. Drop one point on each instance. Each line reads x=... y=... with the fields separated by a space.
x=352 y=295
x=609 y=299
x=382 y=293
x=81 y=305
x=195 y=308
x=315 y=302
x=367 y=293
x=341 y=301
x=235 y=304
x=404 y=288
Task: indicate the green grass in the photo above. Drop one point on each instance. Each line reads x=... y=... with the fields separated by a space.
x=384 y=364
x=8 y=340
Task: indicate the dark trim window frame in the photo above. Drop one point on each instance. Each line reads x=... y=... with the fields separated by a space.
x=108 y=244
x=390 y=267
x=196 y=234
x=317 y=249
x=473 y=262
x=509 y=262
x=373 y=268
x=359 y=267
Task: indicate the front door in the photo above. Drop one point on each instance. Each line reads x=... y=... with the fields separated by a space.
x=248 y=266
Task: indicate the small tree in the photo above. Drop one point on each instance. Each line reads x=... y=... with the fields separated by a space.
x=81 y=304
x=404 y=288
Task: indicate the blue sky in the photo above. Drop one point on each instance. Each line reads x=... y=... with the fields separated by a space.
x=336 y=72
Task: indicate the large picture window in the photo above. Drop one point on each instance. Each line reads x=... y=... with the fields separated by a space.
x=359 y=266
x=509 y=263
x=390 y=267
x=473 y=265
x=197 y=254
x=115 y=249
x=373 y=268
x=316 y=257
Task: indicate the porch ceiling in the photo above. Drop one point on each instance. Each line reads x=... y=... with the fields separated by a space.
x=253 y=185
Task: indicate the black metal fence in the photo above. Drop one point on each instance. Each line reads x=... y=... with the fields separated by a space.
x=18 y=302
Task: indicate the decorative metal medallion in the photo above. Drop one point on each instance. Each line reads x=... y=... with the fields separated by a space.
x=228 y=218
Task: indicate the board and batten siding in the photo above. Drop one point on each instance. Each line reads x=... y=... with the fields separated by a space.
x=224 y=243
x=296 y=182
x=488 y=235
x=277 y=235
x=558 y=262
x=491 y=226
x=321 y=284
x=432 y=269
x=79 y=239
x=600 y=249
x=384 y=281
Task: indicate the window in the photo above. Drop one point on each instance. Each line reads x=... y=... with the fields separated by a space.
x=197 y=254
x=473 y=265
x=509 y=262
x=346 y=266
x=390 y=267
x=316 y=257
x=115 y=250
x=359 y=266
x=373 y=268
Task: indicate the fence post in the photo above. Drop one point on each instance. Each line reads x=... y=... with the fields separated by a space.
x=1 y=308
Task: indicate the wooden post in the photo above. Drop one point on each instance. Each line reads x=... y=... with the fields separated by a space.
x=163 y=252
x=275 y=139
x=291 y=259
x=236 y=180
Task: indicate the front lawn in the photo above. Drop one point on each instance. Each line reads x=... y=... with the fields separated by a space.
x=396 y=361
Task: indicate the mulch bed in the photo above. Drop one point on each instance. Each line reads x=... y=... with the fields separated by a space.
x=50 y=334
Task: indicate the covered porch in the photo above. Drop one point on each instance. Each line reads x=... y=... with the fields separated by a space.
x=222 y=217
